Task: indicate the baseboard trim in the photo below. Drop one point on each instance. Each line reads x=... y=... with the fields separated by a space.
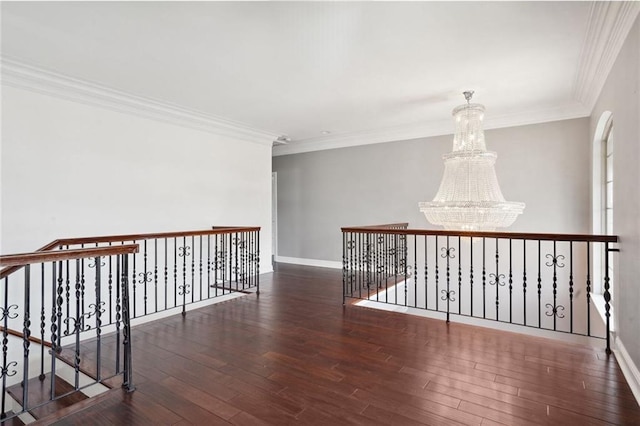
x=628 y=367
x=309 y=262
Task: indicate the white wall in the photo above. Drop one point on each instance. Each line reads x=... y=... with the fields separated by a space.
x=621 y=96
x=71 y=170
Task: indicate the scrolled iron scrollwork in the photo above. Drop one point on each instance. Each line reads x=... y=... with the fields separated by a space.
x=92 y=264
x=76 y=325
x=448 y=252
x=448 y=295
x=497 y=279
x=241 y=243
x=184 y=251
x=184 y=289
x=8 y=371
x=96 y=309
x=6 y=313
x=145 y=277
x=554 y=310
x=555 y=260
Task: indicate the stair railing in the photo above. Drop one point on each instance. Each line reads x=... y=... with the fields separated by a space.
x=31 y=291
x=544 y=281
x=86 y=287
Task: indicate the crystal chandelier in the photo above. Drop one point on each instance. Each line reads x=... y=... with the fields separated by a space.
x=469 y=198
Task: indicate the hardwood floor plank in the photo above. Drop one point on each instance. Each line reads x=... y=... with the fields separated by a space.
x=295 y=355
x=498 y=416
x=201 y=398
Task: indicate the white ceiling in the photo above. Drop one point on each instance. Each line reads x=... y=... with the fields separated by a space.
x=299 y=69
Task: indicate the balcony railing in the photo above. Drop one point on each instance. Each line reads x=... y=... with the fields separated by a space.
x=73 y=295
x=544 y=281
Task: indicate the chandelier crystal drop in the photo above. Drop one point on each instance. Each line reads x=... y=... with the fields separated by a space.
x=469 y=198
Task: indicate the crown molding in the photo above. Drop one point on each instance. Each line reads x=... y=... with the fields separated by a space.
x=607 y=29
x=429 y=129
x=28 y=77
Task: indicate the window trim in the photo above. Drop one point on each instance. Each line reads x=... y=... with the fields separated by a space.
x=599 y=226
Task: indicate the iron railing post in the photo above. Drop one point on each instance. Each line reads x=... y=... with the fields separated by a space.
x=127 y=381
x=26 y=333
x=607 y=293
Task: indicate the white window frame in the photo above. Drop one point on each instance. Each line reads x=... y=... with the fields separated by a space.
x=604 y=131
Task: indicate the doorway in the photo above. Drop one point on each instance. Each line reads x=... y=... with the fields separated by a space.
x=274 y=217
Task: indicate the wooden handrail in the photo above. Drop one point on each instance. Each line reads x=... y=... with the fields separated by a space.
x=485 y=234
x=59 y=243
x=22 y=259
x=402 y=225
x=141 y=237
x=20 y=335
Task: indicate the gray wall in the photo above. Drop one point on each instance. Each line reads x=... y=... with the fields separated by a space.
x=545 y=165
x=621 y=96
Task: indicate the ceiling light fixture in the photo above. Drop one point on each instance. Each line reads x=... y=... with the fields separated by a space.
x=469 y=198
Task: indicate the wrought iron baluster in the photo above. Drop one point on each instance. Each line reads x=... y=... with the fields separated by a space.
x=448 y=295
x=426 y=275
x=82 y=285
x=484 y=279
x=571 y=286
x=257 y=262
x=235 y=269
x=555 y=309
x=497 y=282
x=366 y=262
x=68 y=290
x=555 y=284
x=43 y=319
x=510 y=280
x=216 y=262
x=133 y=283
x=524 y=280
x=435 y=254
x=26 y=334
x=607 y=296
x=245 y=259
x=359 y=276
x=166 y=274
x=119 y=283
x=110 y=287
x=200 y=258
x=175 y=272
x=193 y=269
x=155 y=274
x=387 y=266
x=98 y=313
x=127 y=381
x=183 y=289
x=415 y=271
x=539 y=287
x=471 y=274
x=459 y=278
x=588 y=288
x=344 y=268
x=145 y=278
x=208 y=266
x=7 y=366
x=405 y=262
x=78 y=325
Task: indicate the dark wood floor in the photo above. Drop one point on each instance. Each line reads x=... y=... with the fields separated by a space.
x=295 y=355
